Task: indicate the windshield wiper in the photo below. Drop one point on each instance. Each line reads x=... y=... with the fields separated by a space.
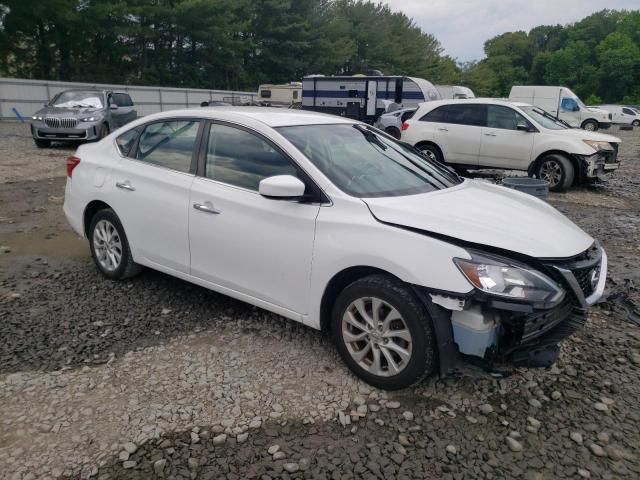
x=370 y=136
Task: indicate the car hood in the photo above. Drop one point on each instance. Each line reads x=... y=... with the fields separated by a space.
x=67 y=112
x=486 y=214
x=586 y=135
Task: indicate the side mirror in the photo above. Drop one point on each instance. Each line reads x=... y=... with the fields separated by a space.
x=523 y=127
x=281 y=187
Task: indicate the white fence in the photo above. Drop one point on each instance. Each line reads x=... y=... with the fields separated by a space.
x=27 y=96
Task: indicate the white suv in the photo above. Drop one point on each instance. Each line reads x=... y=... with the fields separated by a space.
x=486 y=133
x=331 y=223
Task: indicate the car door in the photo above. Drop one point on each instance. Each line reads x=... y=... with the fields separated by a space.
x=462 y=133
x=503 y=145
x=151 y=188
x=627 y=116
x=119 y=109
x=241 y=241
x=570 y=111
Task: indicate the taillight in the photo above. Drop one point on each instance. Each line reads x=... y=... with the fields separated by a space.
x=405 y=125
x=72 y=162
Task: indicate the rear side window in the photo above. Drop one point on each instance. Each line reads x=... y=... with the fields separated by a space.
x=240 y=158
x=168 y=144
x=437 y=115
x=503 y=117
x=126 y=141
x=467 y=114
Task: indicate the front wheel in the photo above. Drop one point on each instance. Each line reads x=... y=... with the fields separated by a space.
x=636 y=123
x=558 y=171
x=384 y=333
x=103 y=131
x=590 y=125
x=109 y=246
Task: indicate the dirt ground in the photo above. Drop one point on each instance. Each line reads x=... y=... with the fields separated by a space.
x=154 y=377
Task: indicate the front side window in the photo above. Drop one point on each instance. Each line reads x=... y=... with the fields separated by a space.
x=504 y=117
x=242 y=159
x=169 y=144
x=569 y=104
x=126 y=141
x=438 y=115
x=78 y=99
x=364 y=164
x=467 y=114
x=628 y=111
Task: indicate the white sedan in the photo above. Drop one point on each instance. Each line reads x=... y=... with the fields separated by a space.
x=332 y=223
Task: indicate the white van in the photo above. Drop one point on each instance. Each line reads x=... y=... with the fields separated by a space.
x=453 y=92
x=271 y=95
x=563 y=104
x=622 y=114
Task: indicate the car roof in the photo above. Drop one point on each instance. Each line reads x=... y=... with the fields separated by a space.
x=273 y=117
x=483 y=101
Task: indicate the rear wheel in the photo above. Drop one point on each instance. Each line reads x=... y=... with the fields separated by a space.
x=384 y=333
x=42 y=143
x=590 y=125
x=109 y=246
x=393 y=131
x=431 y=151
x=636 y=123
x=558 y=171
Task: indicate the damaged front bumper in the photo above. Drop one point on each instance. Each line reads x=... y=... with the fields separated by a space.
x=490 y=332
x=599 y=164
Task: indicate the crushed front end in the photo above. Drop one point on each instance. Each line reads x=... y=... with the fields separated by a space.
x=604 y=161
x=515 y=323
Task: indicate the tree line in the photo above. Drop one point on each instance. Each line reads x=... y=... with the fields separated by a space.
x=239 y=44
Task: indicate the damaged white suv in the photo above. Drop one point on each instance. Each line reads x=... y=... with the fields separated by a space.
x=334 y=224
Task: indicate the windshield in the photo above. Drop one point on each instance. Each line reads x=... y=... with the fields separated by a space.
x=365 y=163
x=78 y=99
x=544 y=119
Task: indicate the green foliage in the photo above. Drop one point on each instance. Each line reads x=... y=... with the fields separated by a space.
x=212 y=43
x=597 y=57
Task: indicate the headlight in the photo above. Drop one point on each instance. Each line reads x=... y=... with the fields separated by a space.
x=37 y=117
x=598 y=145
x=503 y=278
x=95 y=118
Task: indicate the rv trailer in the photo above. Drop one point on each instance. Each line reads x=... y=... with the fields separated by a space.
x=364 y=98
x=270 y=95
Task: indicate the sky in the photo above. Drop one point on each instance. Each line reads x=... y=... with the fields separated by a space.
x=462 y=26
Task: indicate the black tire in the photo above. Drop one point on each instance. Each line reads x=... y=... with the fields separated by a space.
x=431 y=151
x=42 y=143
x=126 y=267
x=636 y=123
x=423 y=358
x=590 y=125
x=103 y=132
x=394 y=132
x=557 y=170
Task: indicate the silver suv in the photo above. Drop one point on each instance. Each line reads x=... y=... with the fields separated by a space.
x=75 y=115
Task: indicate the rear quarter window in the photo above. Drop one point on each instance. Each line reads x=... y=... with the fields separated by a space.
x=126 y=141
x=436 y=115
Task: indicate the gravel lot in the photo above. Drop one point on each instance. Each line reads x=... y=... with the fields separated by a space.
x=157 y=377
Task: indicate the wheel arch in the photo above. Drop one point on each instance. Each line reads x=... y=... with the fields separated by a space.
x=429 y=142
x=533 y=167
x=90 y=210
x=338 y=283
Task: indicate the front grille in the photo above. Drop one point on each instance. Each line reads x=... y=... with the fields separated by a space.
x=583 y=277
x=61 y=122
x=582 y=267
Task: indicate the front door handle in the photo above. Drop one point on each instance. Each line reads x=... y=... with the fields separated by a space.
x=490 y=134
x=125 y=186
x=205 y=208
x=442 y=129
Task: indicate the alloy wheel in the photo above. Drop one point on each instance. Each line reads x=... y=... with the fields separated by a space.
x=376 y=336
x=551 y=172
x=107 y=245
x=590 y=126
x=429 y=153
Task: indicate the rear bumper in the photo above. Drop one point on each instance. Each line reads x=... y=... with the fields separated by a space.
x=71 y=210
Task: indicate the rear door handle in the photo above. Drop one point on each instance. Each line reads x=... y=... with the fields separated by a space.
x=490 y=134
x=206 y=208
x=125 y=186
